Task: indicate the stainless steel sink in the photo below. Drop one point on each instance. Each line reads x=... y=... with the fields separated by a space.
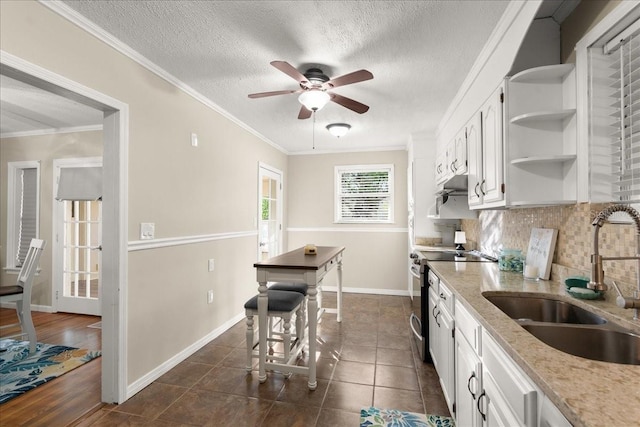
x=607 y=345
x=569 y=328
x=540 y=309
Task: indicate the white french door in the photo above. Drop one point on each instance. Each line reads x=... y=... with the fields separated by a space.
x=78 y=249
x=269 y=212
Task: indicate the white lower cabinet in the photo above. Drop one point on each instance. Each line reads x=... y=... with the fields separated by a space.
x=490 y=389
x=447 y=353
x=482 y=385
x=509 y=396
x=493 y=406
x=468 y=383
x=441 y=341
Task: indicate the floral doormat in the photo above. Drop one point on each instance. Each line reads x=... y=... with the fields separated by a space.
x=376 y=417
x=21 y=372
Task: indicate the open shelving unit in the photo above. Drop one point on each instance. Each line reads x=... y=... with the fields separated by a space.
x=541 y=137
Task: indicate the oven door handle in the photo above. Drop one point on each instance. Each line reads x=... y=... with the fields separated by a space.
x=411 y=322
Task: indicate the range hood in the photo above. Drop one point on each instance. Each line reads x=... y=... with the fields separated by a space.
x=451 y=200
x=455 y=183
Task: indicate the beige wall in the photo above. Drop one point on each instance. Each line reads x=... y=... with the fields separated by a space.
x=184 y=190
x=584 y=17
x=43 y=148
x=375 y=258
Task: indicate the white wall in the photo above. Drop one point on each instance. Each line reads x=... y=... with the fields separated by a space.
x=375 y=258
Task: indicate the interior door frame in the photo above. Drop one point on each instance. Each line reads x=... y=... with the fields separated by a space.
x=115 y=219
x=279 y=209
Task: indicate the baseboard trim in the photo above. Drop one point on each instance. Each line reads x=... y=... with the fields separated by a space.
x=42 y=308
x=374 y=291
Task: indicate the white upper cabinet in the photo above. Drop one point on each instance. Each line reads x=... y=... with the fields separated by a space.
x=457 y=154
x=541 y=136
x=474 y=152
x=485 y=148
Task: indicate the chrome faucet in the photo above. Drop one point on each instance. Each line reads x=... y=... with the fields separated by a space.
x=597 y=272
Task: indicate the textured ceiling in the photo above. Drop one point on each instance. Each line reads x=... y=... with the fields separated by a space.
x=24 y=108
x=418 y=51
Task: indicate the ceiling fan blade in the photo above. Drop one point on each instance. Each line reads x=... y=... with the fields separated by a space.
x=349 y=103
x=304 y=113
x=289 y=70
x=277 y=92
x=347 y=79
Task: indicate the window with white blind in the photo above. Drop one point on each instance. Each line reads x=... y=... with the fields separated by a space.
x=23 y=210
x=364 y=194
x=614 y=83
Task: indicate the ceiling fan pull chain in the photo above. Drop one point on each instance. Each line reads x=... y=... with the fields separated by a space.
x=313 y=142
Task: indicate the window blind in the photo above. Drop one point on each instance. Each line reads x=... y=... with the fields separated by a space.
x=80 y=183
x=28 y=190
x=364 y=195
x=624 y=51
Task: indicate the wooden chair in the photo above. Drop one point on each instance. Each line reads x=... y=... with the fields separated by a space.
x=21 y=294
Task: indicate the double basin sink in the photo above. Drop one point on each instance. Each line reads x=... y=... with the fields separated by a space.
x=570 y=328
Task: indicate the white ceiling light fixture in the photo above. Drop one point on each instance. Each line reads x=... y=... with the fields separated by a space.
x=314 y=99
x=338 y=129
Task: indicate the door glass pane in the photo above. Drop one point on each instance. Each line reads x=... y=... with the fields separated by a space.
x=81 y=258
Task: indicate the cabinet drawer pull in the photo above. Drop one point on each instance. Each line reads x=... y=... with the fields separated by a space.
x=481 y=189
x=484 y=416
x=473 y=375
x=475 y=189
x=443 y=296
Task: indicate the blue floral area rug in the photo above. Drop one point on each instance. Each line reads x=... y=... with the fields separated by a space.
x=21 y=372
x=376 y=417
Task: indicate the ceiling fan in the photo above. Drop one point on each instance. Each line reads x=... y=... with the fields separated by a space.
x=315 y=87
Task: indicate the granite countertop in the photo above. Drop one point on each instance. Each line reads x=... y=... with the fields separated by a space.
x=587 y=392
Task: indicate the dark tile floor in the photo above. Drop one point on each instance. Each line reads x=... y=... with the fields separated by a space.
x=367 y=360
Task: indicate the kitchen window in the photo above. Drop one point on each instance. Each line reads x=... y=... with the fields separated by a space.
x=364 y=194
x=23 y=210
x=614 y=116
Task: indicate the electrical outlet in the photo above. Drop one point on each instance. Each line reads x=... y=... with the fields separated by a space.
x=210 y=296
x=211 y=264
x=147 y=230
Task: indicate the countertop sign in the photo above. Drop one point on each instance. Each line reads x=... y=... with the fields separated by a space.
x=542 y=244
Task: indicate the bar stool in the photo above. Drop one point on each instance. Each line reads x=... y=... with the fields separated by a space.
x=282 y=305
x=301 y=288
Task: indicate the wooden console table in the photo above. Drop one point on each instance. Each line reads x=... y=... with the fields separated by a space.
x=296 y=267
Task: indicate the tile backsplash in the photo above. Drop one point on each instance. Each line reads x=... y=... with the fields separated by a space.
x=511 y=228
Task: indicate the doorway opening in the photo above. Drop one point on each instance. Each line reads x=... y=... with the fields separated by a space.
x=114 y=212
x=269 y=212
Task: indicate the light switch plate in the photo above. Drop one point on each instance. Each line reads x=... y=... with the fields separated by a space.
x=194 y=140
x=147 y=230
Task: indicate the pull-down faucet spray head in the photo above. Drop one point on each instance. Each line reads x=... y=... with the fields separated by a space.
x=597 y=272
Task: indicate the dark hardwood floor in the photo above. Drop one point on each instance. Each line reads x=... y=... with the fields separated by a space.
x=69 y=397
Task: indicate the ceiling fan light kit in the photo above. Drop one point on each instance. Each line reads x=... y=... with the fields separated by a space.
x=338 y=129
x=314 y=100
x=315 y=86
